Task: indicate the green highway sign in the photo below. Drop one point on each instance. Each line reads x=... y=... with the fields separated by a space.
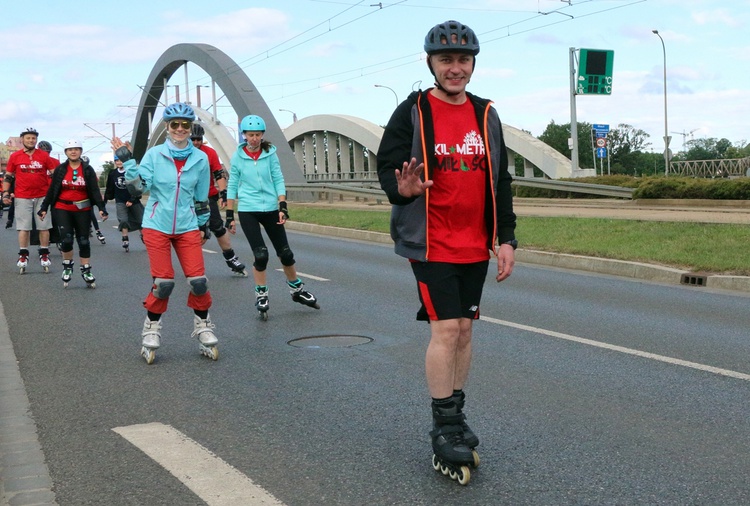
x=595 y=72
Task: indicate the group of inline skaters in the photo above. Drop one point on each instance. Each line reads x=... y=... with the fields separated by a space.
x=186 y=188
x=442 y=163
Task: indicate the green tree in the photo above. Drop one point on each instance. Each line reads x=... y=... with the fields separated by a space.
x=556 y=136
x=107 y=167
x=626 y=144
x=708 y=149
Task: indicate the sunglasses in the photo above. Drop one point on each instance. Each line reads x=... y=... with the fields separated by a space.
x=185 y=124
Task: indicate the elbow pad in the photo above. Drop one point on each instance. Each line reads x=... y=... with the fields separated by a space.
x=135 y=186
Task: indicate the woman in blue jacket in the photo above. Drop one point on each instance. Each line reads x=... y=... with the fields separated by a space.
x=176 y=175
x=257 y=184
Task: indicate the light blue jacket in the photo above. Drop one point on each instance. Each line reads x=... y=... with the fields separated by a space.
x=255 y=186
x=171 y=203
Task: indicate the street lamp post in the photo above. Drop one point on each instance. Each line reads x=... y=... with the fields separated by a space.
x=666 y=128
x=294 y=114
x=392 y=90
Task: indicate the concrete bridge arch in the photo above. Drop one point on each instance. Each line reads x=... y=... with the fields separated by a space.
x=243 y=96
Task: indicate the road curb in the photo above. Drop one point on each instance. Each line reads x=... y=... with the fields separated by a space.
x=621 y=268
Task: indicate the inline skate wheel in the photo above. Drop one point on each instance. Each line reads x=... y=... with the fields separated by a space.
x=476 y=458
x=211 y=352
x=91 y=285
x=65 y=284
x=22 y=270
x=463 y=475
x=46 y=269
x=263 y=315
x=149 y=354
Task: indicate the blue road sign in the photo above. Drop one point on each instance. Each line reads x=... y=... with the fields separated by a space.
x=601 y=152
x=600 y=128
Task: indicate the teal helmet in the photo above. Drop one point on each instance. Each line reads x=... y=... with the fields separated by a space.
x=179 y=110
x=252 y=123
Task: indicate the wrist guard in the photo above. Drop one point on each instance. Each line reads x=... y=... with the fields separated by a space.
x=123 y=154
x=283 y=209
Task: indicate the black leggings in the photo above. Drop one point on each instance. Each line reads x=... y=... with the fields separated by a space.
x=73 y=225
x=251 y=222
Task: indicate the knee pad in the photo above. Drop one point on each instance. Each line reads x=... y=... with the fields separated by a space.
x=162 y=288
x=220 y=232
x=67 y=243
x=261 y=258
x=286 y=256
x=84 y=246
x=198 y=285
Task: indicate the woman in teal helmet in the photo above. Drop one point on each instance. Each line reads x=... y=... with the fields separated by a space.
x=176 y=177
x=257 y=184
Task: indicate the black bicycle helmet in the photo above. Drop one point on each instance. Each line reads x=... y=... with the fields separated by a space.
x=44 y=146
x=453 y=37
x=197 y=132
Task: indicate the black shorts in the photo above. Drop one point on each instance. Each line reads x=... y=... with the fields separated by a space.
x=449 y=291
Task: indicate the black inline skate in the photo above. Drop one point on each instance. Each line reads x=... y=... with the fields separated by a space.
x=101 y=237
x=470 y=438
x=67 y=273
x=299 y=294
x=125 y=243
x=451 y=455
x=87 y=276
x=234 y=263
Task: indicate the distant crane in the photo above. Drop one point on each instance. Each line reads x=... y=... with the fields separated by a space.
x=685 y=134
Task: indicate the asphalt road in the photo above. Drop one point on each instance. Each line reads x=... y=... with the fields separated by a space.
x=585 y=389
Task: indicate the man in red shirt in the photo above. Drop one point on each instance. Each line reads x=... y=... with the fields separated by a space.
x=217 y=195
x=443 y=164
x=29 y=168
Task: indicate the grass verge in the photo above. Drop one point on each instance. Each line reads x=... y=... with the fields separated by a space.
x=697 y=247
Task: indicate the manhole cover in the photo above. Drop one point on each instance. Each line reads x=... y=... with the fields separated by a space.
x=329 y=341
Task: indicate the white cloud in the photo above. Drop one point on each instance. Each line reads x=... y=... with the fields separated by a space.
x=16 y=111
x=720 y=16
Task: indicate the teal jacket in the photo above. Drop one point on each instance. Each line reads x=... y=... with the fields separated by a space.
x=255 y=186
x=173 y=196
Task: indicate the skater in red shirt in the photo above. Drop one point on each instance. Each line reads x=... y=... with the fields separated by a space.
x=443 y=164
x=29 y=170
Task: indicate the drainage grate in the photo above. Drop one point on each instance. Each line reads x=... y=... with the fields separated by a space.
x=334 y=341
x=694 y=279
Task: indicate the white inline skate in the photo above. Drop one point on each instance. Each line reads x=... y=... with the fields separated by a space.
x=203 y=330
x=151 y=339
x=44 y=260
x=23 y=260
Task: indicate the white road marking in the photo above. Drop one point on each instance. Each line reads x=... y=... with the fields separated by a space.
x=303 y=275
x=622 y=349
x=209 y=477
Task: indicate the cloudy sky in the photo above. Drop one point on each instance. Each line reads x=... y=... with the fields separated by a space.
x=73 y=69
